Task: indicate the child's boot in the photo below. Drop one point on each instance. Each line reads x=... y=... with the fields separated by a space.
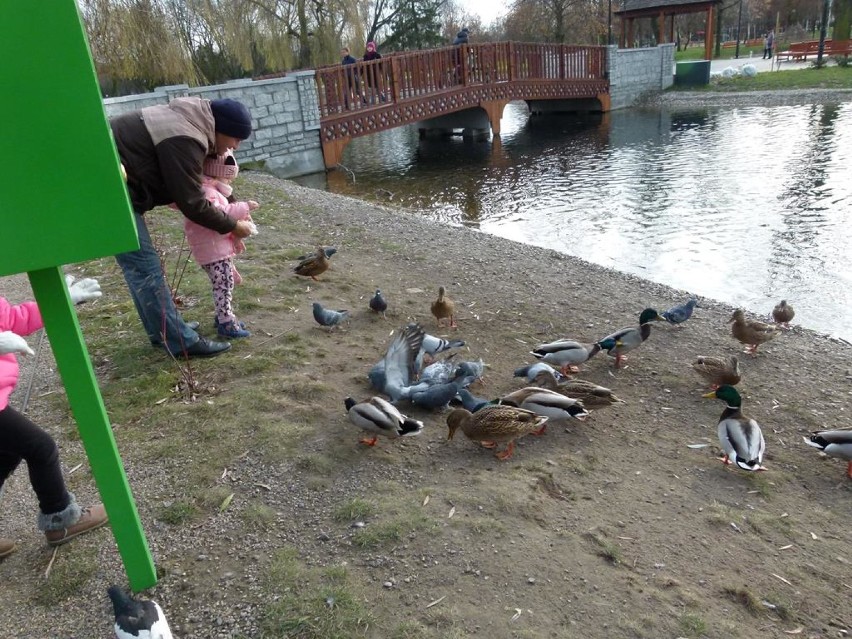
x=7 y=547
x=62 y=527
x=232 y=329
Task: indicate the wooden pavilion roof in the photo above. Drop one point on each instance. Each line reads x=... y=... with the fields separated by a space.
x=639 y=8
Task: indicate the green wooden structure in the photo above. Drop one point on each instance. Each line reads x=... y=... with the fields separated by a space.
x=65 y=202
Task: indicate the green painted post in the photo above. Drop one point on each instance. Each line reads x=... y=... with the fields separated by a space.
x=81 y=386
x=64 y=202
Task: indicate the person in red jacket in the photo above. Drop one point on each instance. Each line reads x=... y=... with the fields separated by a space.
x=60 y=518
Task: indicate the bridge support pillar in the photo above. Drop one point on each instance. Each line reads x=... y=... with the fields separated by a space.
x=332 y=151
x=494 y=109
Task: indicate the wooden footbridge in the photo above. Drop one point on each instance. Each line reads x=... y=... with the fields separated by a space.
x=366 y=97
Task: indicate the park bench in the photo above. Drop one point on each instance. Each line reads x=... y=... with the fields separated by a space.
x=799 y=51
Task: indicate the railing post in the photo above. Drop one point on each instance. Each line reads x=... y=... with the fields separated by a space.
x=463 y=49
x=395 y=78
x=512 y=70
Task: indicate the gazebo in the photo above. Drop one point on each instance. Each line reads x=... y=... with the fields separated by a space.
x=664 y=10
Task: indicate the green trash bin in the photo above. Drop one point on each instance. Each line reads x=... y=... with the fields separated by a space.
x=693 y=73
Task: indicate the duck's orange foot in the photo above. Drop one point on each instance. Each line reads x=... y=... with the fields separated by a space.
x=849 y=470
x=506 y=454
x=540 y=431
x=724 y=459
x=369 y=442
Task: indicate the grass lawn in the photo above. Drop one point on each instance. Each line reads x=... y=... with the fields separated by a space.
x=833 y=77
x=697 y=53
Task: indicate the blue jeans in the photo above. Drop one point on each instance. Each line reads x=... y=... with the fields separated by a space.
x=151 y=295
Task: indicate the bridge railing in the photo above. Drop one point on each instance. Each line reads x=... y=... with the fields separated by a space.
x=411 y=75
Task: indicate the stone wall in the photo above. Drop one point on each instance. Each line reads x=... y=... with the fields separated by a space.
x=285 y=112
x=633 y=73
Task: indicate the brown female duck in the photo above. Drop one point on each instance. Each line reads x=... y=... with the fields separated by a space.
x=492 y=425
x=752 y=333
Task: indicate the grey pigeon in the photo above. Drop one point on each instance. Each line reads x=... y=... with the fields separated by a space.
x=327 y=317
x=378 y=302
x=470 y=401
x=397 y=371
x=328 y=250
x=439 y=395
x=439 y=372
x=471 y=369
x=531 y=372
x=432 y=346
x=680 y=313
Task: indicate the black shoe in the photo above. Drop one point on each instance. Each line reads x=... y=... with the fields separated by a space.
x=205 y=348
x=193 y=325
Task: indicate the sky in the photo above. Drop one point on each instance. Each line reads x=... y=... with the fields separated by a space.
x=487 y=9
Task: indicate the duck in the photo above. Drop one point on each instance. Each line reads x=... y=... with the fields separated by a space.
x=380 y=417
x=718 y=370
x=546 y=402
x=834 y=443
x=328 y=250
x=630 y=338
x=783 y=313
x=137 y=618
x=752 y=333
x=313 y=265
x=567 y=354
x=378 y=303
x=589 y=393
x=444 y=308
x=677 y=315
x=494 y=425
x=740 y=436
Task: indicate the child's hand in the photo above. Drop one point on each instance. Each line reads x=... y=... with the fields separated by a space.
x=13 y=343
x=253 y=205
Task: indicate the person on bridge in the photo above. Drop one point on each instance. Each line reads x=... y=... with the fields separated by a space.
x=163 y=149
x=352 y=81
x=374 y=73
x=462 y=37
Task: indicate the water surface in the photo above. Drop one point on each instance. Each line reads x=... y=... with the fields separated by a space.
x=746 y=205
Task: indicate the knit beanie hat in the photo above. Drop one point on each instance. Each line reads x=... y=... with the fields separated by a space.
x=371 y=46
x=222 y=166
x=232 y=118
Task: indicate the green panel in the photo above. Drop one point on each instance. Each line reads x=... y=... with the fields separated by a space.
x=692 y=73
x=63 y=197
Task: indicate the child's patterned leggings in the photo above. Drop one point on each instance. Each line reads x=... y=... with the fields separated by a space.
x=221 y=276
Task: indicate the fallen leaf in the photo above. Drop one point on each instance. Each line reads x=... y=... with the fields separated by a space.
x=697 y=445
x=425 y=500
x=781 y=578
x=436 y=602
x=813 y=536
x=452 y=512
x=796 y=631
x=788 y=546
x=77 y=467
x=224 y=474
x=517 y=614
x=226 y=502
x=160 y=401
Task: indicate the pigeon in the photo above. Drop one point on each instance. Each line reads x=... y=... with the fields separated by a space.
x=328 y=250
x=378 y=303
x=393 y=376
x=531 y=372
x=439 y=372
x=327 y=317
x=471 y=369
x=680 y=313
x=471 y=402
x=137 y=619
x=438 y=395
x=432 y=346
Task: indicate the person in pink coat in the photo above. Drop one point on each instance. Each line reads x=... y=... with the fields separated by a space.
x=60 y=518
x=215 y=252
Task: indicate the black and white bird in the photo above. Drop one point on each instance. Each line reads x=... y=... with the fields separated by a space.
x=137 y=619
x=327 y=317
x=378 y=303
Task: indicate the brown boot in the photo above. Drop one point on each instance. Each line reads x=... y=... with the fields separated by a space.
x=7 y=547
x=90 y=518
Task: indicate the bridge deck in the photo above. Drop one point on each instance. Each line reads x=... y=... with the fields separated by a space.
x=366 y=97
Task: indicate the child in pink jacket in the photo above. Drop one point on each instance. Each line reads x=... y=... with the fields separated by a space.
x=213 y=251
x=60 y=518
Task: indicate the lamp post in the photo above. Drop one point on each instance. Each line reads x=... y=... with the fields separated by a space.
x=609 y=21
x=739 y=22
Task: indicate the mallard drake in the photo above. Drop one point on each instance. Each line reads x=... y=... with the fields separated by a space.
x=834 y=443
x=444 y=308
x=752 y=333
x=629 y=338
x=718 y=370
x=567 y=354
x=587 y=392
x=494 y=424
x=740 y=436
x=380 y=417
x=783 y=313
x=314 y=265
x=546 y=402
x=680 y=313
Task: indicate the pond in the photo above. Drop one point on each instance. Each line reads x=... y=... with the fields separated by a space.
x=745 y=205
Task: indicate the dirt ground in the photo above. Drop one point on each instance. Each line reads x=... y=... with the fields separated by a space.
x=614 y=527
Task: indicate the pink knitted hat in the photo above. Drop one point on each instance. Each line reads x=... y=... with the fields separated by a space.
x=223 y=166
